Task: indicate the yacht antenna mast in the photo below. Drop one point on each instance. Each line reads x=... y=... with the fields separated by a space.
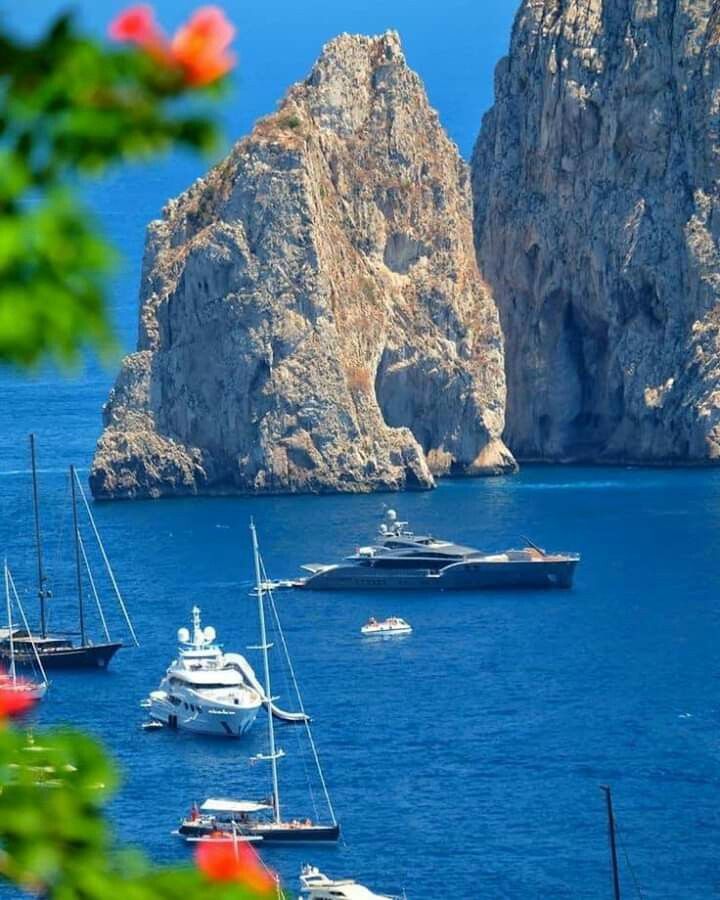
x=613 y=847
x=42 y=592
x=266 y=664
x=77 y=557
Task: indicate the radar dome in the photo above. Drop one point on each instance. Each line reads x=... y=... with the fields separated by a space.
x=391 y=515
x=209 y=633
x=183 y=635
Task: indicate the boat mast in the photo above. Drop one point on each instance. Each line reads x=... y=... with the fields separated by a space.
x=77 y=557
x=26 y=626
x=613 y=846
x=266 y=664
x=42 y=593
x=13 y=674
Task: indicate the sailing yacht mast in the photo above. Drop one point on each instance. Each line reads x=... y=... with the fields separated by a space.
x=77 y=557
x=266 y=664
x=42 y=592
x=13 y=673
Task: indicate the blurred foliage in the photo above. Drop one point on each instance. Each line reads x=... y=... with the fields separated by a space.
x=70 y=106
x=54 y=840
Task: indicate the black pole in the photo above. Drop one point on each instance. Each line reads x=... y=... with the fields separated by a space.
x=38 y=539
x=613 y=847
x=77 y=557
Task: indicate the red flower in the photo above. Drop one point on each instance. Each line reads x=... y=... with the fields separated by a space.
x=137 y=25
x=200 y=47
x=228 y=861
x=14 y=701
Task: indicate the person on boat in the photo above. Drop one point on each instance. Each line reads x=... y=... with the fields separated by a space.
x=194 y=813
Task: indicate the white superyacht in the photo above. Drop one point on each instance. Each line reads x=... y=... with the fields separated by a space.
x=205 y=690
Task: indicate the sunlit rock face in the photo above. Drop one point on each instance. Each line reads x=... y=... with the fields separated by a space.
x=312 y=315
x=597 y=219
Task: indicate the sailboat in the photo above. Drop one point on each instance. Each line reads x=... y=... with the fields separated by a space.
x=250 y=818
x=32 y=690
x=59 y=650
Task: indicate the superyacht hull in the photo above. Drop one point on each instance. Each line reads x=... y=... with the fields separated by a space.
x=88 y=656
x=472 y=575
x=213 y=721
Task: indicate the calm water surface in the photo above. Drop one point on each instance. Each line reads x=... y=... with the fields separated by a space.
x=474 y=747
x=464 y=761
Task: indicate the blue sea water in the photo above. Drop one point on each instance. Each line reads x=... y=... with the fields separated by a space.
x=465 y=759
x=472 y=751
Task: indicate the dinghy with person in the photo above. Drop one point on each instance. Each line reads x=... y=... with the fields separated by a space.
x=393 y=625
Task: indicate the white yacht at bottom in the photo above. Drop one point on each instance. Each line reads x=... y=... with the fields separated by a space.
x=205 y=690
x=316 y=886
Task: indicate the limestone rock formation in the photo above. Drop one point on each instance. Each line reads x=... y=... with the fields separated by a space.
x=312 y=316
x=597 y=223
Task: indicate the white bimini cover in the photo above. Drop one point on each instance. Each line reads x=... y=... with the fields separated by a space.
x=233 y=806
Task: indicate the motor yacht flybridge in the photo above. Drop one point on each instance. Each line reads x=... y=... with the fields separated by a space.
x=316 y=886
x=403 y=560
x=263 y=819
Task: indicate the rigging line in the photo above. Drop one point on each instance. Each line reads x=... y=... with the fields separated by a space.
x=25 y=623
x=629 y=864
x=107 y=563
x=299 y=696
x=94 y=589
x=302 y=752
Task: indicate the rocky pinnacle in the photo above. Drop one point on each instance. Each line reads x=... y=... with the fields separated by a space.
x=312 y=317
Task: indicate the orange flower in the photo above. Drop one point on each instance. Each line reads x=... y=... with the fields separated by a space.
x=228 y=861
x=200 y=47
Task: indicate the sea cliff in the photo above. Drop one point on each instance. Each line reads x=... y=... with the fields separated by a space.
x=312 y=317
x=597 y=223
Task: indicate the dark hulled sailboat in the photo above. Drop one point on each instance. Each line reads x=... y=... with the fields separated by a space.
x=60 y=650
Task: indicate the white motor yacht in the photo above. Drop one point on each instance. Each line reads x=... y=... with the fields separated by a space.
x=316 y=886
x=392 y=625
x=204 y=690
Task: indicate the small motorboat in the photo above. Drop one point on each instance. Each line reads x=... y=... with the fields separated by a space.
x=390 y=626
x=152 y=725
x=316 y=886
